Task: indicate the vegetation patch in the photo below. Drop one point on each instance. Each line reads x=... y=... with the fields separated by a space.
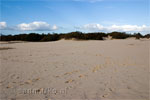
x=35 y=37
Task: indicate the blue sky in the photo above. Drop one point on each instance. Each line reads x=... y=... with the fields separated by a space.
x=47 y=16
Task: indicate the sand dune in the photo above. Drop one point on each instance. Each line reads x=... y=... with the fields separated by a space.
x=75 y=70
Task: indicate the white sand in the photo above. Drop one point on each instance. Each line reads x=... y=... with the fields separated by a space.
x=78 y=70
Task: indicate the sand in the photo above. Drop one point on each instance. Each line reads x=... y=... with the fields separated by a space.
x=75 y=70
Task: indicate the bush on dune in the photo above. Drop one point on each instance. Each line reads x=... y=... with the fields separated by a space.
x=119 y=35
x=50 y=37
x=147 y=36
x=138 y=35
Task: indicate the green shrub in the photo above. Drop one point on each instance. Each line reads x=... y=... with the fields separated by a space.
x=119 y=35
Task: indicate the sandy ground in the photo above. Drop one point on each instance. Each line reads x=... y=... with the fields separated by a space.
x=75 y=70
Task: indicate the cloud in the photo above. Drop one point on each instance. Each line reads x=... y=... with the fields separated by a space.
x=36 y=26
x=129 y=28
x=3 y=25
x=91 y=27
x=122 y=28
x=44 y=26
x=54 y=27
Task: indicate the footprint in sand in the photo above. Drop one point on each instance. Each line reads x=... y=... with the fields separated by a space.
x=36 y=79
x=82 y=75
x=28 y=82
x=31 y=81
x=69 y=73
x=21 y=84
x=111 y=89
x=14 y=82
x=13 y=76
x=105 y=95
x=128 y=87
x=70 y=81
x=57 y=76
x=9 y=86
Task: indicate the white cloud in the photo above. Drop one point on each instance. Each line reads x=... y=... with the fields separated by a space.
x=36 y=26
x=54 y=27
x=92 y=27
x=3 y=25
x=43 y=26
x=122 y=28
x=128 y=28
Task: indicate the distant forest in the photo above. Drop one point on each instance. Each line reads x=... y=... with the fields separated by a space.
x=76 y=35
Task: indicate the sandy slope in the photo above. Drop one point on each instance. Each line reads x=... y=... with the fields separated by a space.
x=77 y=70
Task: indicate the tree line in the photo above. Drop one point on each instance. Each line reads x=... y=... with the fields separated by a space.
x=76 y=35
